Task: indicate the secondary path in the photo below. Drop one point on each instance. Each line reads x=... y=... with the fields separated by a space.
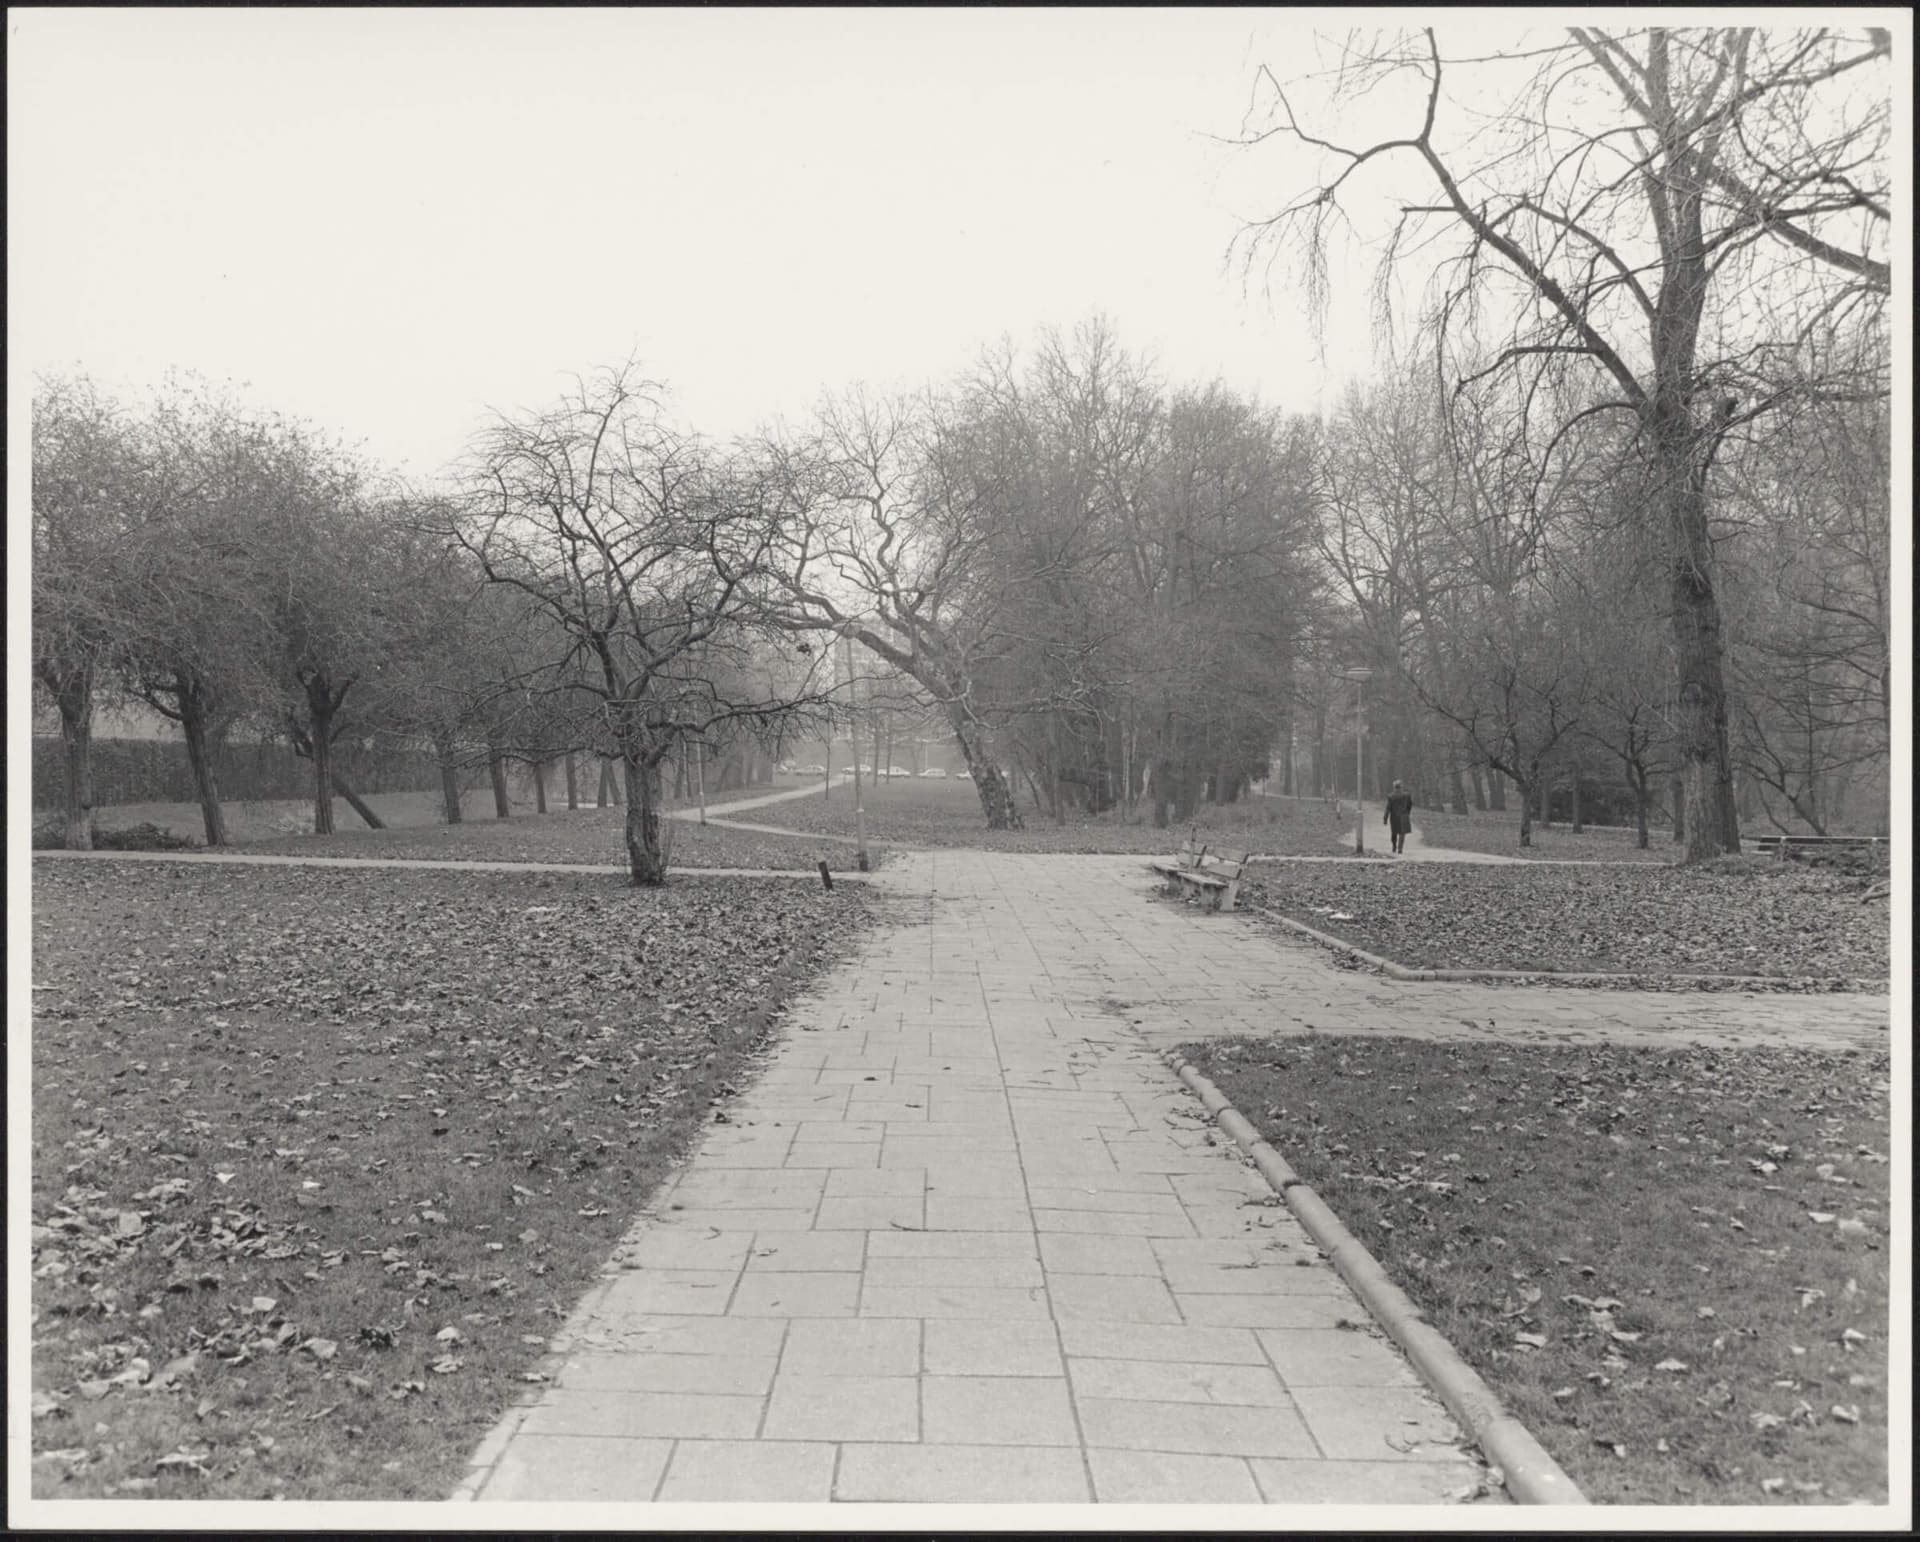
x=1416 y=849
x=736 y=805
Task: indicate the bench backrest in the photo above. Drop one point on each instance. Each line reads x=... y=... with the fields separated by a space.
x=1817 y=840
x=1224 y=862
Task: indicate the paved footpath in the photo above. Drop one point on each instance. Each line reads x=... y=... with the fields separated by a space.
x=967 y=1238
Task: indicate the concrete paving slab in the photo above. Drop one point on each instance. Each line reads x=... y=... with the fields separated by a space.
x=749 y=1472
x=968 y=1239
x=1162 y=1478
x=961 y=1474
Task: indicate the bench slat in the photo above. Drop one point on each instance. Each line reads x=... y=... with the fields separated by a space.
x=1200 y=866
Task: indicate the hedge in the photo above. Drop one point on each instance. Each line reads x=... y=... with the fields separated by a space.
x=156 y=771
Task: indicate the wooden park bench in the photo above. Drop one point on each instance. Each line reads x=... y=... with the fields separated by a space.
x=1785 y=845
x=1213 y=873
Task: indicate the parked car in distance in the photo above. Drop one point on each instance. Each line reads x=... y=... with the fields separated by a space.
x=934 y=771
x=898 y=771
x=811 y=771
x=964 y=774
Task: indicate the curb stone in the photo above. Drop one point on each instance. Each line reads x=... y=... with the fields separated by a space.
x=1547 y=976
x=1528 y=1472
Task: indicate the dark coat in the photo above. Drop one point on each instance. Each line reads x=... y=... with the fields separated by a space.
x=1400 y=812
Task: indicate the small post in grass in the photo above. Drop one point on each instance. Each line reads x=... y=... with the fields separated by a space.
x=826 y=878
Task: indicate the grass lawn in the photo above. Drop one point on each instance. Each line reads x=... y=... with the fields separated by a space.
x=1670 y=1264
x=322 y=1158
x=947 y=813
x=586 y=835
x=1772 y=919
x=1500 y=835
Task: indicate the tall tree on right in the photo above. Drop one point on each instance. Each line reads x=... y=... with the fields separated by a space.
x=1685 y=215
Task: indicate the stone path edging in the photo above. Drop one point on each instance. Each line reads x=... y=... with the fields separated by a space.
x=1531 y=1475
x=1538 y=976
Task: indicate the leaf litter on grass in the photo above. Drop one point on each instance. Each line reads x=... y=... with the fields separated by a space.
x=1588 y=1227
x=330 y=1148
x=1801 y=927
x=586 y=836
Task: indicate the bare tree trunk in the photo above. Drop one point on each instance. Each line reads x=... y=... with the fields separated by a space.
x=206 y=781
x=322 y=780
x=1677 y=792
x=646 y=861
x=1496 y=791
x=604 y=795
x=1527 y=791
x=539 y=786
x=497 y=771
x=358 y=805
x=449 y=778
x=989 y=781
x=1639 y=777
x=1321 y=783
x=1457 y=789
x=1479 y=786
x=323 y=705
x=75 y=701
x=573 y=784
x=1579 y=808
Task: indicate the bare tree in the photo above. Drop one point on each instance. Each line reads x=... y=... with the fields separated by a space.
x=86 y=483
x=201 y=643
x=334 y=592
x=899 y=519
x=651 y=560
x=1678 y=211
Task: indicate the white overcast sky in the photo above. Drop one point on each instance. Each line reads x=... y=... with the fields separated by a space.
x=387 y=221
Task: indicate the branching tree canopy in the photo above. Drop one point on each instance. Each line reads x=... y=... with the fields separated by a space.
x=93 y=492
x=1682 y=215
x=652 y=559
x=200 y=621
x=899 y=504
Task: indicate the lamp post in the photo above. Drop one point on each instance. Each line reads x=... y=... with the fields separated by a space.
x=853 y=732
x=1359 y=678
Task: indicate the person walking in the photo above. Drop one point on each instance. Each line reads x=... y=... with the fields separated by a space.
x=1399 y=818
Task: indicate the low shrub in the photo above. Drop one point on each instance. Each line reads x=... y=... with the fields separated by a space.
x=50 y=834
x=141 y=837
